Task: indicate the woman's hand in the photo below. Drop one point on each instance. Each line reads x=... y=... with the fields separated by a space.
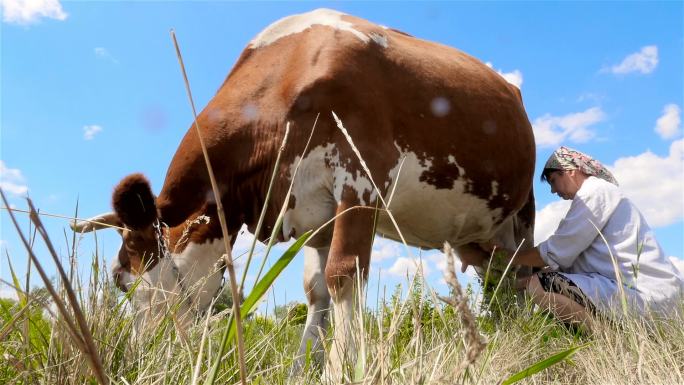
x=496 y=250
x=471 y=255
x=529 y=257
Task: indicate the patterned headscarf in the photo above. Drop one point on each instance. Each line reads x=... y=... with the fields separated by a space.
x=567 y=159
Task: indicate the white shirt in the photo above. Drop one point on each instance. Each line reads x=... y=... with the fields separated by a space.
x=578 y=250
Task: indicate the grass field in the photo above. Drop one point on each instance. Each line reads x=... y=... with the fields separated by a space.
x=410 y=339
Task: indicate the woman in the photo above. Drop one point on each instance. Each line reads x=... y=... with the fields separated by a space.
x=602 y=233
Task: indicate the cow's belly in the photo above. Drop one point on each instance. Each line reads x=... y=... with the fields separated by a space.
x=440 y=217
x=312 y=203
x=427 y=216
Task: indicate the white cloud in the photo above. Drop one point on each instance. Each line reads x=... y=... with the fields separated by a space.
x=404 y=266
x=550 y=131
x=515 y=77
x=103 y=53
x=679 y=263
x=11 y=180
x=655 y=184
x=644 y=61
x=8 y=292
x=596 y=98
x=668 y=125
x=90 y=131
x=26 y=12
x=243 y=243
x=548 y=218
x=384 y=249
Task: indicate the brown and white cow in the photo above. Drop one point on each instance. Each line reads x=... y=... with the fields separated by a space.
x=456 y=127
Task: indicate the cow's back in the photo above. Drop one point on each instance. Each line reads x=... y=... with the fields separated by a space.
x=460 y=130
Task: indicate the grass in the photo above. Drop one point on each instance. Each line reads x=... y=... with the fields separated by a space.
x=407 y=340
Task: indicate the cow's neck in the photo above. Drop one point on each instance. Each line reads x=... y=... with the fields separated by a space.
x=248 y=193
x=199 y=271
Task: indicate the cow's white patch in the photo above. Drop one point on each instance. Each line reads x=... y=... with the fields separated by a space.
x=198 y=266
x=312 y=191
x=359 y=182
x=155 y=293
x=452 y=160
x=495 y=189
x=379 y=39
x=428 y=216
x=318 y=299
x=160 y=287
x=298 y=23
x=318 y=186
x=343 y=344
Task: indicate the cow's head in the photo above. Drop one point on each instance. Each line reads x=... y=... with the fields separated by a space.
x=168 y=268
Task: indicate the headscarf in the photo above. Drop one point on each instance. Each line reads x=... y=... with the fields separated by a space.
x=567 y=159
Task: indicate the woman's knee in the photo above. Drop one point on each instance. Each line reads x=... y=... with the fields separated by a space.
x=535 y=289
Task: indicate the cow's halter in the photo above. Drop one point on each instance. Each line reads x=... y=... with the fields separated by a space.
x=163 y=250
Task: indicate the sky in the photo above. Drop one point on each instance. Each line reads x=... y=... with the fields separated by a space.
x=92 y=91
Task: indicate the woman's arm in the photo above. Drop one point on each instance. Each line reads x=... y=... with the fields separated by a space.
x=471 y=255
x=529 y=257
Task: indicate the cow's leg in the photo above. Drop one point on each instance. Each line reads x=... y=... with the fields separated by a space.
x=318 y=299
x=350 y=248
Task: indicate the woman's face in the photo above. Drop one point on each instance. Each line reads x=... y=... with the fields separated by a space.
x=565 y=183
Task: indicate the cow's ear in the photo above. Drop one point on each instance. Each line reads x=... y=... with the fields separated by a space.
x=133 y=202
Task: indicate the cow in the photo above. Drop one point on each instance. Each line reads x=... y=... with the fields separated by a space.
x=442 y=133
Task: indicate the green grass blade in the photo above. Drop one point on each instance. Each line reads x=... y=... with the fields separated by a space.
x=307 y=356
x=23 y=300
x=265 y=283
x=541 y=365
x=259 y=290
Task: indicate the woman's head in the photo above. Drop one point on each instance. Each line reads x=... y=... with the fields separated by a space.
x=564 y=183
x=566 y=159
x=566 y=169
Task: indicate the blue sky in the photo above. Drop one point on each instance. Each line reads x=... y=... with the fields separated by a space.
x=92 y=91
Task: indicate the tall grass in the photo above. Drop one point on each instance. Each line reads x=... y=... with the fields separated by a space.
x=407 y=339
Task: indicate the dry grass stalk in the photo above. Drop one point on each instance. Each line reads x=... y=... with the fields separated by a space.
x=505 y=272
x=222 y=219
x=73 y=219
x=8 y=327
x=264 y=209
x=475 y=343
x=370 y=176
x=200 y=220
x=81 y=334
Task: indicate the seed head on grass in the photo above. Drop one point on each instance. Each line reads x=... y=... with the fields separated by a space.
x=475 y=343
